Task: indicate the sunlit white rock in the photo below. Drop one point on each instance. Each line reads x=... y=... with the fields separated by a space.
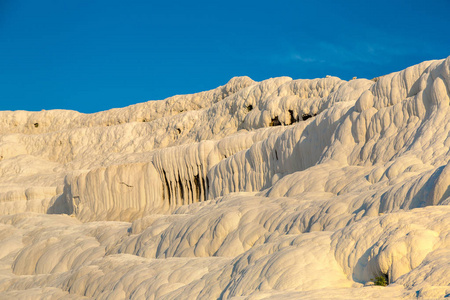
x=275 y=189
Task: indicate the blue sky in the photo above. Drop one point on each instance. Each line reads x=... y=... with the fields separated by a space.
x=96 y=55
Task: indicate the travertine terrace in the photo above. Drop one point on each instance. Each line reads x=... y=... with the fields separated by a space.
x=281 y=189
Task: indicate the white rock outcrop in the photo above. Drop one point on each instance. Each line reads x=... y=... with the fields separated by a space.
x=304 y=189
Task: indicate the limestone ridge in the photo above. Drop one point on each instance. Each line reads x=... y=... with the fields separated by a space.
x=347 y=178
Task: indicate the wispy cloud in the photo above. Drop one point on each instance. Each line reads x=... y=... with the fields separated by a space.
x=341 y=54
x=298 y=57
x=294 y=57
x=377 y=48
x=307 y=59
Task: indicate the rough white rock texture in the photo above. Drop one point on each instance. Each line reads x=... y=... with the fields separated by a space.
x=281 y=189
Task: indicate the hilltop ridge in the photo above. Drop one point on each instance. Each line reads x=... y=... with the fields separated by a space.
x=282 y=188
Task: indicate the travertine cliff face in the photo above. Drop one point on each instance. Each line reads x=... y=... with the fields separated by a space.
x=276 y=189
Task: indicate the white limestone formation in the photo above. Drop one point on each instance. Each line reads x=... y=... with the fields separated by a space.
x=286 y=189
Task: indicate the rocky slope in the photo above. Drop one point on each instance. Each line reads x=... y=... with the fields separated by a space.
x=275 y=189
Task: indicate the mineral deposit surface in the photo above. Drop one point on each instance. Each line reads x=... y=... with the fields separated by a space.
x=280 y=189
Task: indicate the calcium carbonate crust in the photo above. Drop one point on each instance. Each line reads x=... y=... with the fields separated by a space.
x=280 y=189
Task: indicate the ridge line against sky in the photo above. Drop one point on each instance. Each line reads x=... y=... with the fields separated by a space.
x=96 y=55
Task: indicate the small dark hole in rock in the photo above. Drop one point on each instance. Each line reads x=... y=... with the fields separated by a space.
x=249 y=107
x=36 y=125
x=275 y=122
x=291 y=113
x=306 y=117
x=179 y=130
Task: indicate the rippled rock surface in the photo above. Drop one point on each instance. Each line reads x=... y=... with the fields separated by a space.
x=304 y=189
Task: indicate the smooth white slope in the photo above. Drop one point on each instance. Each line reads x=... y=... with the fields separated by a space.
x=283 y=188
